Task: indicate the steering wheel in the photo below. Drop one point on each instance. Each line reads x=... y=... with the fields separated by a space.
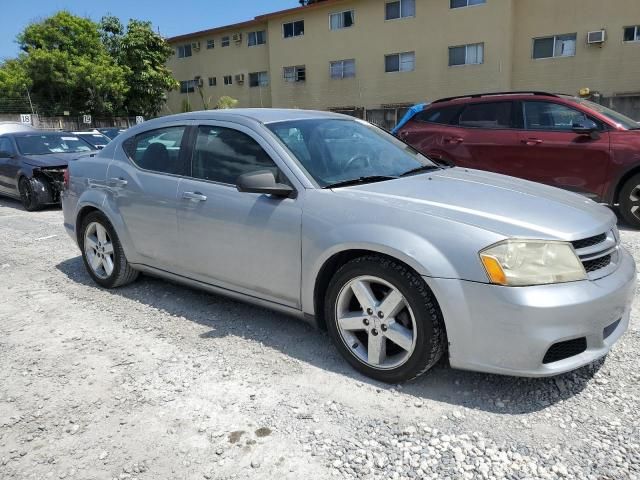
x=358 y=157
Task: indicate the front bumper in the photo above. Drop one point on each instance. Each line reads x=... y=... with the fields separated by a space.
x=508 y=330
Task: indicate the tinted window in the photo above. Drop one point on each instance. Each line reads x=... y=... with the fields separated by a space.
x=223 y=154
x=487 y=115
x=550 y=116
x=158 y=150
x=5 y=145
x=444 y=116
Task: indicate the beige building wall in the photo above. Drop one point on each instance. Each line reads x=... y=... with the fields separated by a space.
x=506 y=27
x=613 y=68
x=237 y=58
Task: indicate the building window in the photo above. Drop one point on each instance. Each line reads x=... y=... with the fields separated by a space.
x=213 y=81
x=184 y=50
x=295 y=74
x=556 y=46
x=257 y=38
x=225 y=41
x=258 y=79
x=466 y=55
x=228 y=79
x=466 y=3
x=341 y=20
x=400 y=9
x=188 y=86
x=343 y=69
x=293 y=29
x=632 y=34
x=210 y=44
x=400 y=62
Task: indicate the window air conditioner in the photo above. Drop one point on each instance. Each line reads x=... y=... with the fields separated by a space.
x=597 y=37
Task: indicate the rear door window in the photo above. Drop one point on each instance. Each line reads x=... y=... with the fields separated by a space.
x=487 y=115
x=6 y=146
x=442 y=116
x=223 y=154
x=158 y=150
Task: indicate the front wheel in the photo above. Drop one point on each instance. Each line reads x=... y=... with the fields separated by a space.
x=28 y=195
x=102 y=253
x=630 y=201
x=384 y=319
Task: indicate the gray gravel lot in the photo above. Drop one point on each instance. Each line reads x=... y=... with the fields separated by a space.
x=157 y=381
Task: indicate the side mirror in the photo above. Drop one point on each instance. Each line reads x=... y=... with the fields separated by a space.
x=584 y=127
x=4 y=154
x=263 y=182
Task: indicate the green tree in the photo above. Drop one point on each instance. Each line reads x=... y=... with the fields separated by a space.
x=66 y=67
x=143 y=54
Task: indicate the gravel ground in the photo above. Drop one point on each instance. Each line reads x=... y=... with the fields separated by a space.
x=157 y=381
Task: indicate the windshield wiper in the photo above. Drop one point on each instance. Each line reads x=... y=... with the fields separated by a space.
x=422 y=169
x=361 y=181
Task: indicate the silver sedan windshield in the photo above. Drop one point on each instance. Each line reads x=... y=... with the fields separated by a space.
x=333 y=151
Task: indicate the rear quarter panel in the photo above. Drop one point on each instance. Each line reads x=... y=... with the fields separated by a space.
x=87 y=185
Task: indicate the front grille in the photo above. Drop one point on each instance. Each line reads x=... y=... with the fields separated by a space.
x=589 y=242
x=562 y=350
x=606 y=333
x=597 y=263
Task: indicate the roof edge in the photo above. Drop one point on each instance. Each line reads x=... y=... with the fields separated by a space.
x=255 y=21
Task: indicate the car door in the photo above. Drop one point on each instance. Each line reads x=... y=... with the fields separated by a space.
x=244 y=242
x=550 y=152
x=143 y=187
x=8 y=167
x=484 y=137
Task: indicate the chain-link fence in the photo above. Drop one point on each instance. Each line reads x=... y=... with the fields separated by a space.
x=43 y=114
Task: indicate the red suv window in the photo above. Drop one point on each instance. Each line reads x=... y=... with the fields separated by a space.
x=442 y=116
x=552 y=116
x=487 y=115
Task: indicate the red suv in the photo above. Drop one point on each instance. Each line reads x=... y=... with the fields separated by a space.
x=559 y=140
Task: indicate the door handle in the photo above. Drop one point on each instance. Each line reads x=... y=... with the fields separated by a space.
x=453 y=140
x=117 y=182
x=194 y=196
x=531 y=141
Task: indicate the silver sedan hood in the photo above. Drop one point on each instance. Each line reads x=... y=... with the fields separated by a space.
x=498 y=203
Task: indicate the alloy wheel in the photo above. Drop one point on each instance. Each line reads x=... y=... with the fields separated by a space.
x=99 y=251
x=375 y=322
x=634 y=201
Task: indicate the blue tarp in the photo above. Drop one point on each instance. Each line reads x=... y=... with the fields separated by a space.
x=413 y=111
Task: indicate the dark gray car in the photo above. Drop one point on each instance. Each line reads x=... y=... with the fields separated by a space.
x=33 y=162
x=331 y=219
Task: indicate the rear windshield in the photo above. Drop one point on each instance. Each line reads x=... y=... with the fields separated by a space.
x=616 y=117
x=51 y=143
x=95 y=139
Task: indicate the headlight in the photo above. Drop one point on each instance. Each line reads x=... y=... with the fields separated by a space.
x=518 y=263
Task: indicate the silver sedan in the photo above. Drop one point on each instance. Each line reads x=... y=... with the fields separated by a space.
x=333 y=220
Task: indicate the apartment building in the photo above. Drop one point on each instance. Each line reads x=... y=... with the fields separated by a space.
x=381 y=55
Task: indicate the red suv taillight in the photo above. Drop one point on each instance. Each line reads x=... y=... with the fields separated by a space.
x=65 y=178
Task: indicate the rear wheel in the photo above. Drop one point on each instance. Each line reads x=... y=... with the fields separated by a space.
x=384 y=319
x=102 y=253
x=630 y=201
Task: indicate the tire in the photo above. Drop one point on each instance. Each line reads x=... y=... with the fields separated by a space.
x=629 y=201
x=28 y=195
x=404 y=308
x=102 y=253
